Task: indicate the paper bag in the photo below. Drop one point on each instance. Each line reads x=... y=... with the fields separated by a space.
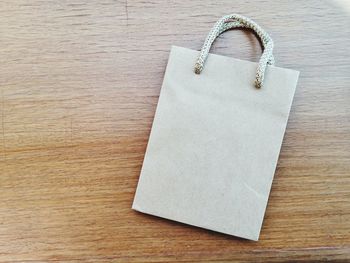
x=215 y=140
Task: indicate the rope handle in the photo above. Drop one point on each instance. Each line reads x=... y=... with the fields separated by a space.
x=238 y=21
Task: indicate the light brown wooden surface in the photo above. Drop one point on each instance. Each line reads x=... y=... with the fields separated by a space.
x=79 y=86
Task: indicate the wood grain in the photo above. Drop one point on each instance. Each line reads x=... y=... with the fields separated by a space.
x=79 y=86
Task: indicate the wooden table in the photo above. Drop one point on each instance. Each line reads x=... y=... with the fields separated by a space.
x=79 y=87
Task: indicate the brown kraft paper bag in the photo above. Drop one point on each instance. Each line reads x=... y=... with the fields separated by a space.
x=216 y=137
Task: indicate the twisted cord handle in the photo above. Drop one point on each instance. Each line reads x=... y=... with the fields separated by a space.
x=236 y=24
x=233 y=21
